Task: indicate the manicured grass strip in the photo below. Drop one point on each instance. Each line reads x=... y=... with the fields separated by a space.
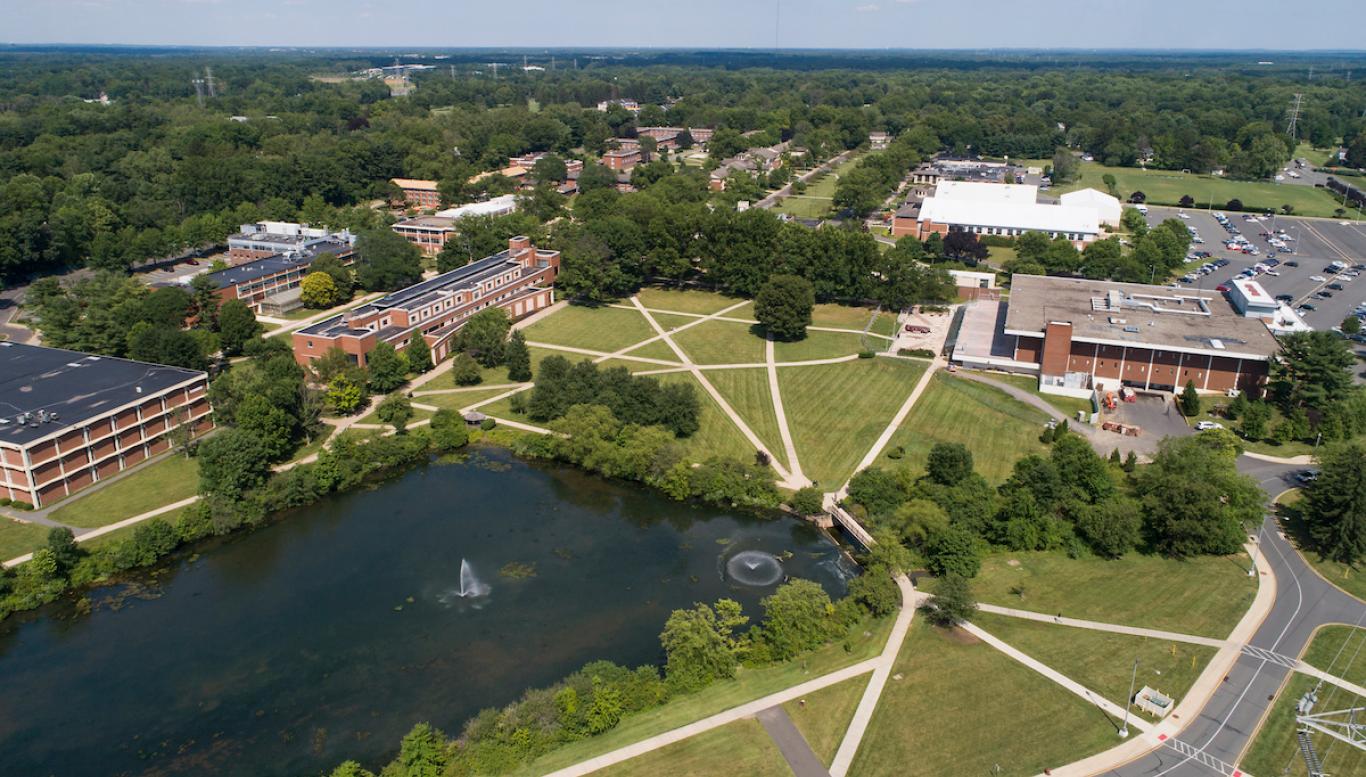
x=684 y=300
x=825 y=715
x=739 y=748
x=847 y=317
x=1204 y=595
x=1339 y=651
x=721 y=342
x=671 y=322
x=1067 y=405
x=655 y=350
x=824 y=345
x=599 y=329
x=1167 y=187
x=747 y=392
x=997 y=428
x=865 y=640
x=836 y=411
x=458 y=399
x=538 y=355
x=118 y=535
x=805 y=206
x=961 y=707
x=1350 y=578
x=1102 y=661
x=718 y=436
x=418 y=415
x=169 y=480
x=17 y=538
x=1275 y=747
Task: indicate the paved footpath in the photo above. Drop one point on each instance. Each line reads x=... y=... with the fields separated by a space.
x=791 y=743
x=783 y=431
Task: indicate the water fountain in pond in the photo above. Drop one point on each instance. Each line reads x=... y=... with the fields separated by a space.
x=754 y=568
x=470 y=585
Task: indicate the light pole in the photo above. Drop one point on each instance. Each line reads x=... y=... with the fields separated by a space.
x=1129 y=700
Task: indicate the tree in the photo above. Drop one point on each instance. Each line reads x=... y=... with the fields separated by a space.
x=395 y=410
x=517 y=358
x=341 y=275
x=422 y=753
x=1190 y=400
x=595 y=176
x=483 y=336
x=1195 y=502
x=549 y=168
x=271 y=424
x=1186 y=201
x=953 y=551
x=798 y=617
x=807 y=501
x=449 y=431
x=236 y=325
x=1138 y=198
x=465 y=370
x=877 y=489
x=61 y=542
x=876 y=591
x=388 y=369
x=952 y=602
x=1255 y=420
x=1066 y=166
x=344 y=394
x=418 y=355
x=165 y=345
x=1335 y=504
x=948 y=463
x=1111 y=528
x=1314 y=369
x=232 y=462
x=1234 y=204
x=700 y=645
x=783 y=306
x=962 y=246
x=1351 y=325
x=385 y=261
x=318 y=290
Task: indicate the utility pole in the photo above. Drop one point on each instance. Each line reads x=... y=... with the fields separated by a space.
x=1294 y=116
x=1128 y=701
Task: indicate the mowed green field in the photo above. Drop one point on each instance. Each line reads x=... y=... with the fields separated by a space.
x=17 y=538
x=1349 y=577
x=685 y=300
x=849 y=317
x=1102 y=661
x=825 y=715
x=717 y=435
x=962 y=708
x=1167 y=187
x=748 y=394
x=824 y=345
x=1204 y=595
x=604 y=329
x=997 y=428
x=168 y=480
x=739 y=749
x=836 y=411
x=1275 y=749
x=721 y=342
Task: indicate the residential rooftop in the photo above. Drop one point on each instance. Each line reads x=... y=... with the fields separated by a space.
x=46 y=390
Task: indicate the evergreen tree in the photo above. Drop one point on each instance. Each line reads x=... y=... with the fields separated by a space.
x=1335 y=505
x=465 y=370
x=418 y=355
x=1190 y=400
x=518 y=358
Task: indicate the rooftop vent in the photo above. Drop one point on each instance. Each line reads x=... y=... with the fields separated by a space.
x=1216 y=344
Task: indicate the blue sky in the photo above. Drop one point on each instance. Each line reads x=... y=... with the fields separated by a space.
x=1185 y=24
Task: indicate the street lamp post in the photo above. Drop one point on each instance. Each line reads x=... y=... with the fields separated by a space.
x=1128 y=700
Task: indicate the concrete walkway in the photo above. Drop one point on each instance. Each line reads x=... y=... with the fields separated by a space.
x=1170 y=636
x=83 y=535
x=751 y=322
x=886 y=436
x=791 y=743
x=863 y=715
x=777 y=396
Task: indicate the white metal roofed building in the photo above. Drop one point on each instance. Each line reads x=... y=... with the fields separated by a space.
x=1108 y=209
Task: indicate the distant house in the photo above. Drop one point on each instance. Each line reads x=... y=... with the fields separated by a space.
x=753 y=161
x=878 y=141
x=630 y=105
x=418 y=193
x=621 y=159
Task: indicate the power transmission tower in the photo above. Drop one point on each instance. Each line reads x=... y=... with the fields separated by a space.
x=208 y=81
x=198 y=90
x=1343 y=725
x=1293 y=116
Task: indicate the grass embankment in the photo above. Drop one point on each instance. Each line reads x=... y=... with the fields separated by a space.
x=603 y=329
x=17 y=538
x=836 y=411
x=1102 y=661
x=1336 y=650
x=866 y=641
x=739 y=749
x=825 y=715
x=748 y=394
x=996 y=428
x=1349 y=577
x=168 y=480
x=1167 y=187
x=957 y=706
x=1204 y=596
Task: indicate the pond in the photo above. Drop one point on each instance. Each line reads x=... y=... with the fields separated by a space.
x=327 y=635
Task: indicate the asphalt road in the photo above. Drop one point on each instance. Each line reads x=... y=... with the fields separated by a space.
x=1213 y=742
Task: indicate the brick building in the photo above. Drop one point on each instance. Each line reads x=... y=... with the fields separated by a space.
x=518 y=280
x=418 y=193
x=70 y=419
x=430 y=233
x=262 y=282
x=622 y=160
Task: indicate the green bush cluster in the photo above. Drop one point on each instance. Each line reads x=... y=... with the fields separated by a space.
x=635 y=400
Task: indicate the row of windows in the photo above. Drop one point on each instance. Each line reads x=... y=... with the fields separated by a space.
x=1012 y=232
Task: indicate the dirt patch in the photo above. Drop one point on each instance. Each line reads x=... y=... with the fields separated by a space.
x=960 y=636
x=1013 y=562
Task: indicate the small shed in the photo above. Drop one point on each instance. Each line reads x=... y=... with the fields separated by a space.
x=1153 y=702
x=474 y=418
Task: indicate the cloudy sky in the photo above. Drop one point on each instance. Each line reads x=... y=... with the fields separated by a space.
x=1183 y=24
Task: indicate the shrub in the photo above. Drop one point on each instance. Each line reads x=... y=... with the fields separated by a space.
x=866 y=354
x=807 y=501
x=487 y=424
x=919 y=353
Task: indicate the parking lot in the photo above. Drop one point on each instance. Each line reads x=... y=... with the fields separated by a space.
x=1315 y=243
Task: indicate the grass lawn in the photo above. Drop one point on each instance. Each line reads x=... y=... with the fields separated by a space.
x=961 y=708
x=458 y=399
x=866 y=641
x=655 y=350
x=721 y=342
x=1204 y=596
x=1348 y=577
x=635 y=366
x=1167 y=187
x=837 y=411
x=1275 y=747
x=824 y=345
x=847 y=317
x=747 y=392
x=1067 y=405
x=127 y=531
x=739 y=749
x=1104 y=662
x=999 y=255
x=717 y=435
x=418 y=415
x=599 y=329
x=538 y=355
x=17 y=538
x=826 y=715
x=319 y=441
x=805 y=206
x=167 y=480
x=684 y=300
x=996 y=428
x=1318 y=157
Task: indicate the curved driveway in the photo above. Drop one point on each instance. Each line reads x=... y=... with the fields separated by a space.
x=1213 y=743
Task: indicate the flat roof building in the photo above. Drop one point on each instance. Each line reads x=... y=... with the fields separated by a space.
x=519 y=280
x=70 y=419
x=430 y=233
x=256 y=281
x=1077 y=334
x=268 y=238
x=1108 y=208
x=1008 y=210
x=418 y=192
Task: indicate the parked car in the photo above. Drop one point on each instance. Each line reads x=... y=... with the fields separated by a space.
x=1317 y=278
x=1292 y=263
x=1207 y=425
x=1335 y=286
x=1285 y=298
x=1307 y=475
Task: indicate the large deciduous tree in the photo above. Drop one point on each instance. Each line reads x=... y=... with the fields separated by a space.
x=784 y=306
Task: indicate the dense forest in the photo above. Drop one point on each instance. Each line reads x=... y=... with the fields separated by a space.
x=153 y=172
